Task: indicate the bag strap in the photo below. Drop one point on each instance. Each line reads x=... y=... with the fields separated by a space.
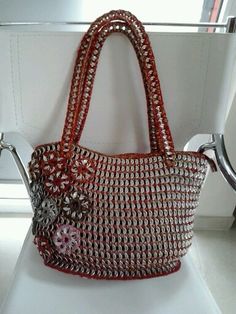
x=84 y=73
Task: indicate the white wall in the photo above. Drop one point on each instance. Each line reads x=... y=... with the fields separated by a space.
x=218 y=199
x=74 y=10
x=8 y=170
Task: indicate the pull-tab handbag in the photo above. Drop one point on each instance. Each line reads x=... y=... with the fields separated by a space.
x=126 y=216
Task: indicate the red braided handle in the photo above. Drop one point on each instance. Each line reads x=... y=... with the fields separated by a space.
x=84 y=73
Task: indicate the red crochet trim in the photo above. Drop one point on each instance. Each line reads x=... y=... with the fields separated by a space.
x=174 y=270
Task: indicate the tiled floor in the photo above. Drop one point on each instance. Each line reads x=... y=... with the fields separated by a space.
x=214 y=253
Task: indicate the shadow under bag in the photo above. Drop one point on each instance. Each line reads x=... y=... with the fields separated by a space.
x=126 y=216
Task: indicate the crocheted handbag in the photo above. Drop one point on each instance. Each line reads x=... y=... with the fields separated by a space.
x=127 y=216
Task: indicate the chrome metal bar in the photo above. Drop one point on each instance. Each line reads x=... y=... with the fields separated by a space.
x=206 y=146
x=218 y=145
x=30 y=23
x=14 y=198
x=1 y=139
x=19 y=164
x=223 y=160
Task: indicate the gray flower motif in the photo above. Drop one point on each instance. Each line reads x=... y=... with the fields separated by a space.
x=36 y=194
x=34 y=168
x=76 y=206
x=46 y=213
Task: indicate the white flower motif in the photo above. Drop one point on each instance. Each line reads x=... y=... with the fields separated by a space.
x=83 y=170
x=66 y=239
x=52 y=162
x=57 y=183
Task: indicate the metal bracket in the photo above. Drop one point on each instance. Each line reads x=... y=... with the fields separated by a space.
x=19 y=164
x=231 y=24
x=218 y=146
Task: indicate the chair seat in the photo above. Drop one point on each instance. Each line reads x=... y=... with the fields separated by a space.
x=40 y=290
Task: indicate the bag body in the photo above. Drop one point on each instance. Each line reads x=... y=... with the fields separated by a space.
x=126 y=216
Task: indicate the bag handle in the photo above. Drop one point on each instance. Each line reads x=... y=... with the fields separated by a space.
x=78 y=73
x=84 y=73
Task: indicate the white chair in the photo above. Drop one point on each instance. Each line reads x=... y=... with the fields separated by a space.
x=194 y=70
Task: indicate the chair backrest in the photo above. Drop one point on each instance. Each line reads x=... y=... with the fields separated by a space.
x=195 y=72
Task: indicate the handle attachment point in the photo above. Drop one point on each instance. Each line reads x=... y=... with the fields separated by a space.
x=218 y=146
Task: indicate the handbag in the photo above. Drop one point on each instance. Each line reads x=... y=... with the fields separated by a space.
x=125 y=216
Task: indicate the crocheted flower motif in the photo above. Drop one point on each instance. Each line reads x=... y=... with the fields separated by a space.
x=57 y=183
x=82 y=170
x=46 y=213
x=65 y=239
x=76 y=206
x=52 y=162
x=54 y=168
x=36 y=194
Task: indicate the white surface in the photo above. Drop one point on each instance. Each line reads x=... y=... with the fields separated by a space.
x=10 y=190
x=40 y=64
x=218 y=199
x=216 y=259
x=195 y=72
x=209 y=223
x=213 y=253
x=12 y=234
x=16 y=206
x=49 y=291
